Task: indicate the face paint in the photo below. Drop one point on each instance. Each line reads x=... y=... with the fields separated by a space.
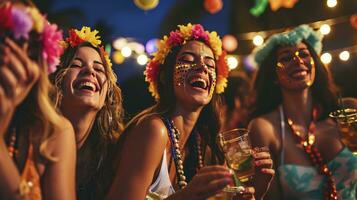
x=183 y=69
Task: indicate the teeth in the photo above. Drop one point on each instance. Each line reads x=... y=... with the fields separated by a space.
x=300 y=73
x=88 y=84
x=199 y=80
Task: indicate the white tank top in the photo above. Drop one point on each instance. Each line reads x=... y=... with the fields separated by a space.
x=162 y=185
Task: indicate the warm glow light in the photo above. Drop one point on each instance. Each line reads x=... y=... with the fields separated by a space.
x=325 y=29
x=229 y=43
x=232 y=62
x=258 y=40
x=119 y=43
x=142 y=59
x=326 y=58
x=126 y=51
x=344 y=55
x=137 y=47
x=331 y=3
x=118 y=58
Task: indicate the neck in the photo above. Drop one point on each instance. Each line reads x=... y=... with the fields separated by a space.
x=82 y=122
x=184 y=121
x=298 y=106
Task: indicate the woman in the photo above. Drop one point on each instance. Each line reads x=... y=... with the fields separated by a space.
x=88 y=96
x=37 y=147
x=166 y=147
x=294 y=97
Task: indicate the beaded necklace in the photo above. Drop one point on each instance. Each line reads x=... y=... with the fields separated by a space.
x=12 y=149
x=314 y=155
x=174 y=136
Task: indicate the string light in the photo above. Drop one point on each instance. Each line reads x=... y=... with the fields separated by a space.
x=331 y=3
x=326 y=58
x=344 y=55
x=325 y=29
x=126 y=51
x=142 y=59
x=232 y=62
x=258 y=40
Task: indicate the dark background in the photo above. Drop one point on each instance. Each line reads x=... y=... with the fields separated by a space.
x=121 y=18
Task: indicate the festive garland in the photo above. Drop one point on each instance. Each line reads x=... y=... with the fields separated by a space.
x=76 y=37
x=19 y=21
x=295 y=36
x=178 y=38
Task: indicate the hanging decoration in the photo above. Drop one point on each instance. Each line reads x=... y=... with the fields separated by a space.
x=146 y=4
x=353 y=21
x=261 y=5
x=213 y=6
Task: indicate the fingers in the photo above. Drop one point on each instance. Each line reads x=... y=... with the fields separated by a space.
x=213 y=168
x=8 y=81
x=247 y=193
x=268 y=171
x=25 y=65
x=214 y=188
x=264 y=163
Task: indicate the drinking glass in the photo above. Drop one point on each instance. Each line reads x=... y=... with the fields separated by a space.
x=347 y=121
x=238 y=153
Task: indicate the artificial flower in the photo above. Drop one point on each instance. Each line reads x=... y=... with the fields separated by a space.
x=21 y=23
x=37 y=18
x=51 y=37
x=5 y=17
x=90 y=36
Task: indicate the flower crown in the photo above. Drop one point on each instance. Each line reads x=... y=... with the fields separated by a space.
x=295 y=36
x=77 y=37
x=18 y=22
x=180 y=37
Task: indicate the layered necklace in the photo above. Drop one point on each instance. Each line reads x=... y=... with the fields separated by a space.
x=12 y=147
x=174 y=136
x=314 y=154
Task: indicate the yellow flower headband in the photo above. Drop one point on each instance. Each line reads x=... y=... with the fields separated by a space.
x=178 y=38
x=77 y=37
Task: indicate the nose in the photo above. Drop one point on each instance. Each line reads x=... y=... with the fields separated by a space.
x=296 y=57
x=88 y=69
x=201 y=65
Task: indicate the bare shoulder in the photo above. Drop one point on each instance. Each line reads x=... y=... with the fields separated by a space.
x=62 y=138
x=150 y=127
x=263 y=129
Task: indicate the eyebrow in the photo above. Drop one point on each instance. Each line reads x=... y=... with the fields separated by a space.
x=97 y=62
x=194 y=55
x=299 y=49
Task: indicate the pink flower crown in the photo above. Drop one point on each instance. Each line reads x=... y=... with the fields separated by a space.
x=77 y=37
x=180 y=37
x=18 y=22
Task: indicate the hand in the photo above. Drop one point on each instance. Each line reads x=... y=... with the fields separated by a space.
x=263 y=169
x=18 y=73
x=248 y=194
x=208 y=182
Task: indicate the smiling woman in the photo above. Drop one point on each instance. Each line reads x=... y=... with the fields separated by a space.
x=172 y=146
x=88 y=96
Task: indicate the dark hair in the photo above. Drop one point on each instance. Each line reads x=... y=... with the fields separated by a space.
x=268 y=93
x=207 y=125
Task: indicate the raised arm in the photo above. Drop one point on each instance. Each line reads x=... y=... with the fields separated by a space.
x=140 y=156
x=262 y=135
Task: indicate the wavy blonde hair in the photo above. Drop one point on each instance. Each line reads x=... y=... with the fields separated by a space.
x=109 y=120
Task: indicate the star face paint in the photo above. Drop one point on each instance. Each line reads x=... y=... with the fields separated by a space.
x=295 y=67
x=183 y=70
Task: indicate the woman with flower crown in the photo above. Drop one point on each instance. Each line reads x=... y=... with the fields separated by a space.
x=294 y=98
x=167 y=147
x=37 y=145
x=88 y=96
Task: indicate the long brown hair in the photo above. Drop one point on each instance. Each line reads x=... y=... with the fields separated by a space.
x=107 y=127
x=268 y=93
x=207 y=125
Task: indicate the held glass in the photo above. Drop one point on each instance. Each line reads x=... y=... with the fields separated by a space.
x=237 y=150
x=347 y=121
